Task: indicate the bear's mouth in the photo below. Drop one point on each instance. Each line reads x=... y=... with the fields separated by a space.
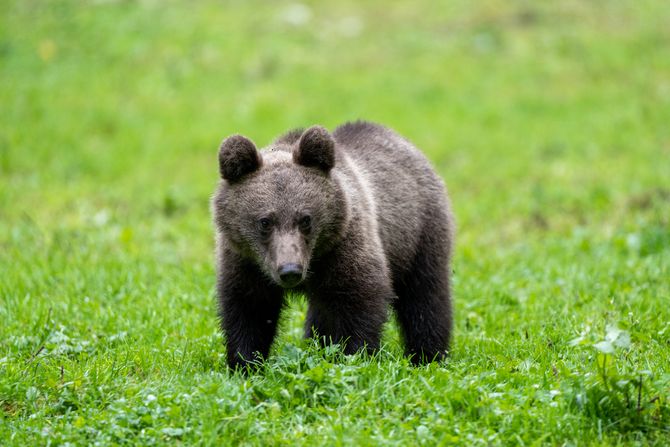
x=290 y=285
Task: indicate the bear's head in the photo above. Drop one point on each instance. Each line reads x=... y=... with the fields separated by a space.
x=280 y=207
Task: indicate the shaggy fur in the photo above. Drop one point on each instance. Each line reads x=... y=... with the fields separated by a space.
x=359 y=219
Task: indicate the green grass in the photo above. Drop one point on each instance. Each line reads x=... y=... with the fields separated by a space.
x=548 y=121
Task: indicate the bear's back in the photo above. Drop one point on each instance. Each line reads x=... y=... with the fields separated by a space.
x=408 y=194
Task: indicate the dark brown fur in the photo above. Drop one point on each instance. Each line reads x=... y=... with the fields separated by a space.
x=363 y=215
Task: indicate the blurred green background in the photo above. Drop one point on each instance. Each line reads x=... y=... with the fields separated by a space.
x=547 y=120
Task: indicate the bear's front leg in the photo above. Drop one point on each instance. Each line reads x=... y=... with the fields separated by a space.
x=249 y=306
x=348 y=303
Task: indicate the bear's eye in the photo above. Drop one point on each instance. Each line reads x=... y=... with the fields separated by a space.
x=305 y=223
x=264 y=225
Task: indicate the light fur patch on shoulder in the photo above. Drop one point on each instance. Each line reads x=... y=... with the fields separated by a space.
x=277 y=156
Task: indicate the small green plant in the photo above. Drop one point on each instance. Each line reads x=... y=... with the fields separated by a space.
x=617 y=392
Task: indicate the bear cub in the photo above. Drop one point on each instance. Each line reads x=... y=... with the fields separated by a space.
x=356 y=219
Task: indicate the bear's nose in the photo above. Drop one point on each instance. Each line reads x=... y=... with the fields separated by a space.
x=290 y=274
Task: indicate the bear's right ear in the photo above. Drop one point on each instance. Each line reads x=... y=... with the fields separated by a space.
x=316 y=148
x=238 y=157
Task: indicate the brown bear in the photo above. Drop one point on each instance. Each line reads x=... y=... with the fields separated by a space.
x=357 y=220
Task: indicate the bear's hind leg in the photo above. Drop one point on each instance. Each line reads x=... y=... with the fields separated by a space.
x=423 y=307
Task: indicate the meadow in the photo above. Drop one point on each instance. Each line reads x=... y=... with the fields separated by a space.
x=549 y=122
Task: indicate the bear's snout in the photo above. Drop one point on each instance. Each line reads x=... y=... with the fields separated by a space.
x=290 y=274
x=288 y=258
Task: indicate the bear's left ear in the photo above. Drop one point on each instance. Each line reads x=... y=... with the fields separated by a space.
x=316 y=148
x=238 y=157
